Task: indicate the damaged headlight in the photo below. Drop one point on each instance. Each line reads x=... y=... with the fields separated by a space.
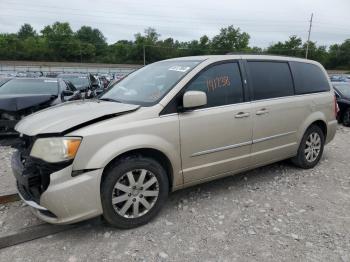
x=56 y=149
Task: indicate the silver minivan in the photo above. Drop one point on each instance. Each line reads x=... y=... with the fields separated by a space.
x=170 y=125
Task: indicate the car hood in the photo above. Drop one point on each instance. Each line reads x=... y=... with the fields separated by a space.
x=13 y=103
x=69 y=116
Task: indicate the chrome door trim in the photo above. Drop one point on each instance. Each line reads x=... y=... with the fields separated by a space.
x=288 y=97
x=171 y=114
x=206 y=109
x=255 y=141
x=209 y=151
x=219 y=107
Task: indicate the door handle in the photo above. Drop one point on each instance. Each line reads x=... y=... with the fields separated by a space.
x=262 y=111
x=242 y=114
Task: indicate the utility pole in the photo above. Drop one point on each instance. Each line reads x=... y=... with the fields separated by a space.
x=308 y=38
x=144 y=55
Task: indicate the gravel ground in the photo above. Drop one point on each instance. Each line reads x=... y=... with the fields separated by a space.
x=7 y=180
x=274 y=213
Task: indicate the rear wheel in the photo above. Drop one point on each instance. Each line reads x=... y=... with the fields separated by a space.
x=346 y=117
x=310 y=148
x=133 y=192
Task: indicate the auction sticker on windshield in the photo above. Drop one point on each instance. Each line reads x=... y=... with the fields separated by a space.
x=179 y=68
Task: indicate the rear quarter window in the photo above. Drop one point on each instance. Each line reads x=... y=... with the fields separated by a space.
x=309 y=78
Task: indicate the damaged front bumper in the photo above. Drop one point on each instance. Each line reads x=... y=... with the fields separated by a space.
x=53 y=194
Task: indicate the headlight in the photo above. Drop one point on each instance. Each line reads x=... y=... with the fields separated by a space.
x=56 y=149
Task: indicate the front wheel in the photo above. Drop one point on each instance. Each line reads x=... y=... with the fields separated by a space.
x=310 y=148
x=133 y=191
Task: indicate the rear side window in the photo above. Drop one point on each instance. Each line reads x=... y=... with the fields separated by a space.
x=222 y=83
x=309 y=78
x=270 y=79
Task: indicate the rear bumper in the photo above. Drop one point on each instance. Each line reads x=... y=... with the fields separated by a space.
x=331 y=130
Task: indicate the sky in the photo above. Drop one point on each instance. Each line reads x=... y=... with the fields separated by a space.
x=266 y=21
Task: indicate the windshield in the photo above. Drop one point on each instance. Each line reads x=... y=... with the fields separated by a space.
x=80 y=82
x=149 y=84
x=29 y=86
x=344 y=89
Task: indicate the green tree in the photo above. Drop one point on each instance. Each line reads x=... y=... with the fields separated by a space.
x=120 y=52
x=339 y=56
x=149 y=42
x=92 y=36
x=230 y=39
x=61 y=41
x=26 y=31
x=58 y=42
x=291 y=47
x=9 y=47
x=318 y=53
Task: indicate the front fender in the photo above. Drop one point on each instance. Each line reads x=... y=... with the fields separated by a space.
x=109 y=151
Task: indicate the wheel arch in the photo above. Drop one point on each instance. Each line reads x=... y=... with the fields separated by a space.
x=322 y=125
x=317 y=119
x=155 y=154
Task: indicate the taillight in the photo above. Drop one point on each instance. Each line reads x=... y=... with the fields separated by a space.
x=336 y=107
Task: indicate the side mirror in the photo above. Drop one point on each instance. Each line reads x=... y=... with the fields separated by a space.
x=193 y=99
x=67 y=93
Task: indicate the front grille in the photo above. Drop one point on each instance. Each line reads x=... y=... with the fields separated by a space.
x=34 y=181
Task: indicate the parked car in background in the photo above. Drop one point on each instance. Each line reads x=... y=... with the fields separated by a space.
x=338 y=78
x=51 y=74
x=170 y=125
x=85 y=83
x=20 y=97
x=104 y=81
x=7 y=74
x=29 y=74
x=342 y=92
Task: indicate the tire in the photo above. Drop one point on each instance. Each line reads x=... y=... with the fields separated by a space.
x=346 y=117
x=118 y=186
x=303 y=159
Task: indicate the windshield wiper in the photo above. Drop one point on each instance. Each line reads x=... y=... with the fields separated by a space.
x=110 y=100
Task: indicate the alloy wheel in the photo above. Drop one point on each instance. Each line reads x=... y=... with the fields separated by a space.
x=312 y=147
x=135 y=193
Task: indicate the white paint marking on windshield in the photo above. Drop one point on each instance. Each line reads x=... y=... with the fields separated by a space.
x=182 y=69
